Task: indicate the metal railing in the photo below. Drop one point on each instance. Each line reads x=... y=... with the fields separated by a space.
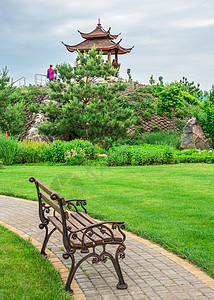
x=19 y=82
x=40 y=79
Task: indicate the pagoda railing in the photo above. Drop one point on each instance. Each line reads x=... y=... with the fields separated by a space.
x=40 y=79
x=20 y=82
x=116 y=66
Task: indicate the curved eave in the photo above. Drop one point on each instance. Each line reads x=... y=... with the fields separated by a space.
x=117 y=46
x=93 y=34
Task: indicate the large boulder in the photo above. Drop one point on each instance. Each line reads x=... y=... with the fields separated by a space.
x=32 y=133
x=194 y=137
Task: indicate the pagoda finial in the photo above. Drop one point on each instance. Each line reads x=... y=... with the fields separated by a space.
x=99 y=24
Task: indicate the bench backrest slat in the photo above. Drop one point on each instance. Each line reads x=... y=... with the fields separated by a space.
x=49 y=191
x=52 y=203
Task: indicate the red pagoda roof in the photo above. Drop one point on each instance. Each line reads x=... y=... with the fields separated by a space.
x=99 y=32
x=101 y=39
x=105 y=45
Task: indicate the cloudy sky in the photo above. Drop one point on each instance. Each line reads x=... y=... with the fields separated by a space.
x=172 y=38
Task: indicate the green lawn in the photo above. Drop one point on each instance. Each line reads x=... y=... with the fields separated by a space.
x=169 y=204
x=24 y=273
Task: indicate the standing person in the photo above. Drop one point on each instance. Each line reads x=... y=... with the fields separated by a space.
x=50 y=73
x=56 y=76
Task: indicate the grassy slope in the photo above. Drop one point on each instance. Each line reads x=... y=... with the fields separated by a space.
x=24 y=273
x=169 y=204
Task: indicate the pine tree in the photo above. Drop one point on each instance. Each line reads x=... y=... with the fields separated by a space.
x=12 y=116
x=87 y=109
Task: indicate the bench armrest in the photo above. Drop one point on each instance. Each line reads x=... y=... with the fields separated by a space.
x=79 y=202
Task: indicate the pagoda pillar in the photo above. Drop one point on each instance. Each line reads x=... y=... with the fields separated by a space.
x=116 y=55
x=109 y=55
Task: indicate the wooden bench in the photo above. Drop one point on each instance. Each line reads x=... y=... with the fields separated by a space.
x=79 y=231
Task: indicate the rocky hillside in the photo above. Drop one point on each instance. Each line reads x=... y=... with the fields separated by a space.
x=143 y=97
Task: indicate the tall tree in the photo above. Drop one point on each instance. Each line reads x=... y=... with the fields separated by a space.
x=12 y=116
x=86 y=108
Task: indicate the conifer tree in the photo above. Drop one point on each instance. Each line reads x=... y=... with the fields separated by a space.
x=12 y=116
x=85 y=108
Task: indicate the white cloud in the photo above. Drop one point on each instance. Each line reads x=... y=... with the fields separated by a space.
x=171 y=37
x=191 y=23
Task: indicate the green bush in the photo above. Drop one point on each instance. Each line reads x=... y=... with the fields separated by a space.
x=139 y=155
x=206 y=119
x=156 y=128
x=167 y=138
x=74 y=158
x=137 y=120
x=31 y=151
x=90 y=151
x=140 y=129
x=145 y=89
x=180 y=123
x=143 y=98
x=147 y=116
x=195 y=156
x=55 y=152
x=179 y=113
x=168 y=97
x=10 y=150
x=128 y=141
x=72 y=152
x=190 y=99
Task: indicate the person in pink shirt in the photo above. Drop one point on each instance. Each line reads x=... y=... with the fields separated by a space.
x=50 y=73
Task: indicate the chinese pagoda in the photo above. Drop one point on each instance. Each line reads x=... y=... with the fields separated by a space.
x=102 y=40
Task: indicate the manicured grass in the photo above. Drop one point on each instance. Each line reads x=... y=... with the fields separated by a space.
x=24 y=273
x=169 y=204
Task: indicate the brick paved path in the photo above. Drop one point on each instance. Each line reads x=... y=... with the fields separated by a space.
x=149 y=274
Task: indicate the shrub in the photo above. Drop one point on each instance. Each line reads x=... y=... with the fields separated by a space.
x=206 y=119
x=180 y=123
x=167 y=138
x=128 y=141
x=90 y=151
x=190 y=109
x=168 y=97
x=14 y=119
x=137 y=120
x=74 y=158
x=147 y=115
x=179 y=113
x=142 y=100
x=31 y=151
x=190 y=99
x=139 y=155
x=55 y=152
x=195 y=156
x=140 y=129
x=156 y=128
x=145 y=89
x=9 y=150
x=62 y=151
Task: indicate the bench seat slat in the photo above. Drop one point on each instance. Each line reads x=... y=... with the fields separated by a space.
x=76 y=225
x=77 y=242
x=117 y=236
x=85 y=220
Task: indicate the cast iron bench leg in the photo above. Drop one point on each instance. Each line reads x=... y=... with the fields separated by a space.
x=46 y=239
